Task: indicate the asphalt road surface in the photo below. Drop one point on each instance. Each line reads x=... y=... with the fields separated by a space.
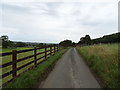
x=70 y=72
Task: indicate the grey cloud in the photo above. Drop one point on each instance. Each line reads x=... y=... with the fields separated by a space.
x=58 y=20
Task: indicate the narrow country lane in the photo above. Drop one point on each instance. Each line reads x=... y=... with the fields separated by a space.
x=70 y=72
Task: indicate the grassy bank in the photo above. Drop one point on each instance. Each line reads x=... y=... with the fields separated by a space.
x=37 y=74
x=103 y=61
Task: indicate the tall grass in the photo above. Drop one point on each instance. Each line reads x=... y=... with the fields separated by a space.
x=104 y=62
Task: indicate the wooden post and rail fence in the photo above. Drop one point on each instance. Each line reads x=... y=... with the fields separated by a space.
x=13 y=63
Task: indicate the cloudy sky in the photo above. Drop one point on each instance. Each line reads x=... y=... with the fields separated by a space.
x=51 y=22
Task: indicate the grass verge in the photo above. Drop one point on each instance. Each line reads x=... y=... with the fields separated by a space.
x=103 y=60
x=37 y=74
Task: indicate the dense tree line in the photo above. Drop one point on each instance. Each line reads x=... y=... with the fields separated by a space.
x=113 y=38
x=67 y=43
x=85 y=40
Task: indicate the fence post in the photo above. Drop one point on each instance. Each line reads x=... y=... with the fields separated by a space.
x=57 y=48
x=54 y=49
x=50 y=50
x=14 y=60
x=45 y=52
x=35 y=56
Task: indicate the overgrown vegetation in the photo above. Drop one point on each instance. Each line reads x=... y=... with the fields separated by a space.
x=104 y=62
x=112 y=38
x=30 y=78
x=67 y=43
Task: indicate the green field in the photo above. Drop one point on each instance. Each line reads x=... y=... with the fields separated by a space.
x=6 y=59
x=103 y=61
x=18 y=48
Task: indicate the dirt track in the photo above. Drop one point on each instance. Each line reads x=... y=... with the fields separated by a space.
x=70 y=72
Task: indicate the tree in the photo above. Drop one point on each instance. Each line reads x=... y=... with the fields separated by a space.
x=74 y=44
x=113 y=38
x=85 y=40
x=21 y=44
x=40 y=45
x=6 y=42
x=66 y=43
x=4 y=38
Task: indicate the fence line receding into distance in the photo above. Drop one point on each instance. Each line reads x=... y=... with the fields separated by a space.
x=46 y=51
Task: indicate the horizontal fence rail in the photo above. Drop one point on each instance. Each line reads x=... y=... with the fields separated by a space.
x=46 y=52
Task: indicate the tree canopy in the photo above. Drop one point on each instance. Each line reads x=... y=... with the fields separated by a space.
x=4 y=38
x=66 y=43
x=6 y=42
x=112 y=38
x=85 y=40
